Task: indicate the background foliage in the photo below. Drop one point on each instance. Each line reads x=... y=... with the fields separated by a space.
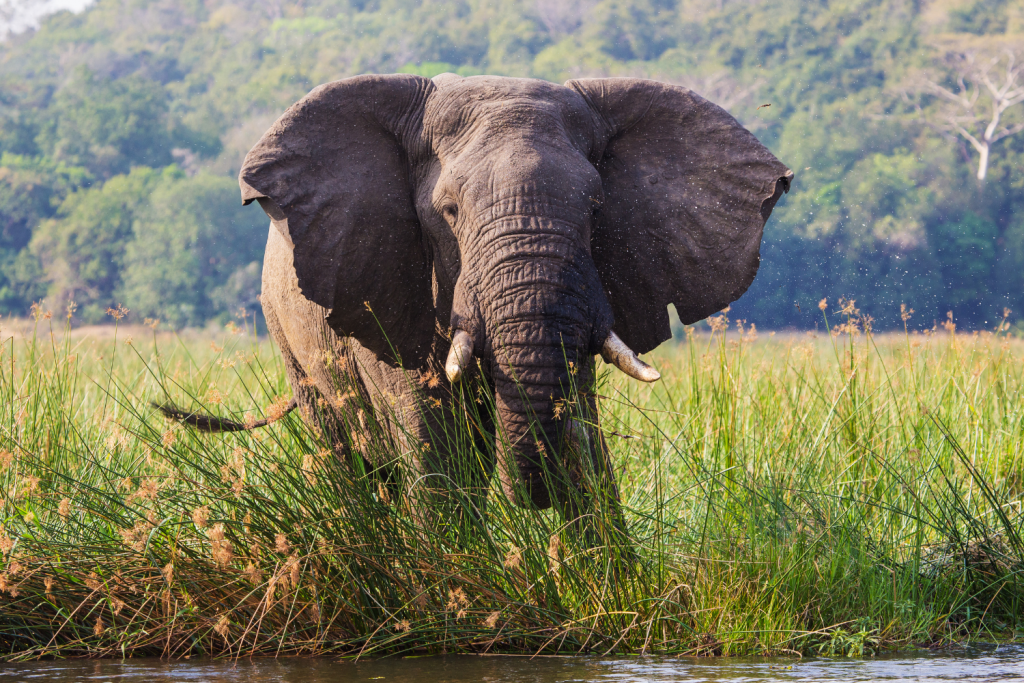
x=121 y=129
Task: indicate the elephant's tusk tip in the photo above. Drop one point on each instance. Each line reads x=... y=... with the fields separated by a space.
x=454 y=372
x=648 y=374
x=459 y=357
x=615 y=352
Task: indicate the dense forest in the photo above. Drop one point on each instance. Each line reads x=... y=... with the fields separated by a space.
x=122 y=128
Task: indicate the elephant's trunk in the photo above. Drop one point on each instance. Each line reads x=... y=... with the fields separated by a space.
x=544 y=325
x=535 y=396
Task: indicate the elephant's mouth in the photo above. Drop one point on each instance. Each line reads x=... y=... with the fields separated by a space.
x=614 y=351
x=546 y=443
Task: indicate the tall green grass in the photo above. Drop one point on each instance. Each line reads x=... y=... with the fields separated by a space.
x=837 y=493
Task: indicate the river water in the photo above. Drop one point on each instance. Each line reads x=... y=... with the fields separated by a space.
x=989 y=664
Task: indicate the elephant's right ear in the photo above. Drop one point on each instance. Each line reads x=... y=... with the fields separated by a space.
x=333 y=175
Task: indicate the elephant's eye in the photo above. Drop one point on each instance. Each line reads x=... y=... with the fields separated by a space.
x=450 y=213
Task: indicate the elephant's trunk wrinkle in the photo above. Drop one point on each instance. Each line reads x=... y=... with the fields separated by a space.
x=569 y=221
x=512 y=207
x=540 y=353
x=553 y=252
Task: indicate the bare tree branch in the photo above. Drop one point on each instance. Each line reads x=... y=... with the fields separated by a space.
x=1013 y=130
x=989 y=82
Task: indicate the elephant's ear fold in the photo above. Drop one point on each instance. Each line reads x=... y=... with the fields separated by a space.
x=333 y=174
x=687 y=193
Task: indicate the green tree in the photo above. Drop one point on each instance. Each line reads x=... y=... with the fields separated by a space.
x=82 y=249
x=108 y=125
x=966 y=251
x=195 y=253
x=31 y=188
x=888 y=205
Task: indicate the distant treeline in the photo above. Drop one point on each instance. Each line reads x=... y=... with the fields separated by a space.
x=121 y=130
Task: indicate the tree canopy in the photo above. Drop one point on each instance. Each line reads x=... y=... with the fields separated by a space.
x=122 y=127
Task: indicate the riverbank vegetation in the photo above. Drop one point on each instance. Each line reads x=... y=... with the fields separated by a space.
x=837 y=493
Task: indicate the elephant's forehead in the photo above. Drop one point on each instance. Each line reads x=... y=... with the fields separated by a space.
x=497 y=88
x=462 y=107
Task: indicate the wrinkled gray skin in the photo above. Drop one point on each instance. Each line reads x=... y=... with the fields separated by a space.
x=535 y=217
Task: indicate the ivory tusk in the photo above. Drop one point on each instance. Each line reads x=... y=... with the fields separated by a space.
x=615 y=352
x=460 y=356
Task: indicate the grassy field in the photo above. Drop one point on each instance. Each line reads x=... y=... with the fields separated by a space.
x=835 y=493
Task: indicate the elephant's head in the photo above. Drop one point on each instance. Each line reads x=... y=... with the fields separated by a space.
x=535 y=225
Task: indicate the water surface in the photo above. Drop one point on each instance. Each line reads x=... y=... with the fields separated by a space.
x=975 y=665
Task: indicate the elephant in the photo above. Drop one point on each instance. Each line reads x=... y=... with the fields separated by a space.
x=425 y=230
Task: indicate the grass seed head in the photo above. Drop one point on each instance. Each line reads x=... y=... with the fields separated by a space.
x=137 y=537
x=554 y=552
x=119 y=313
x=252 y=574
x=201 y=516
x=513 y=558
x=278 y=408
x=220 y=546
x=457 y=599
x=38 y=313
x=214 y=396
x=148 y=489
x=222 y=627
x=31 y=484
x=281 y=544
x=492 y=620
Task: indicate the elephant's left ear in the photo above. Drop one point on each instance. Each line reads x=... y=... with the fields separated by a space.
x=333 y=173
x=687 y=193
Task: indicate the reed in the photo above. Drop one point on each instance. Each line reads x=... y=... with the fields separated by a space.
x=836 y=493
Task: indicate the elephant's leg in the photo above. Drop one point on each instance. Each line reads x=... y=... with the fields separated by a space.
x=310 y=399
x=445 y=471
x=304 y=394
x=320 y=364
